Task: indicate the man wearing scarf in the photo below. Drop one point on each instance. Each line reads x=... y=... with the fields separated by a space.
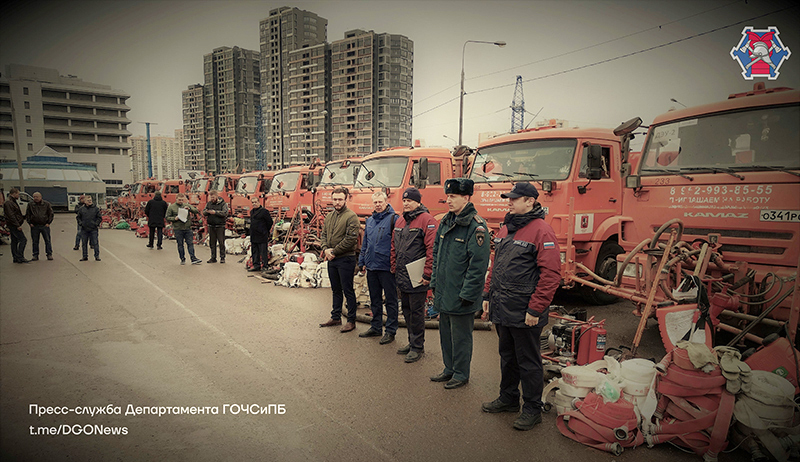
x=518 y=291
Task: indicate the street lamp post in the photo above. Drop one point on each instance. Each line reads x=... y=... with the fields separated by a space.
x=461 y=97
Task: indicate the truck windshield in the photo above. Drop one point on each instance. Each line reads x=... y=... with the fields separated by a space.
x=378 y=173
x=334 y=174
x=755 y=139
x=524 y=161
x=200 y=185
x=219 y=183
x=247 y=185
x=284 y=182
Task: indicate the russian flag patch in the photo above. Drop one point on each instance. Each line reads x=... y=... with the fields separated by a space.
x=549 y=245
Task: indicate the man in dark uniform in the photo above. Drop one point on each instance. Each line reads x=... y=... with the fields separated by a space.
x=15 y=219
x=414 y=235
x=518 y=291
x=460 y=257
x=260 y=227
x=156 y=211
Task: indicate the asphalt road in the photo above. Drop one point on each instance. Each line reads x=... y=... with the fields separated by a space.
x=137 y=333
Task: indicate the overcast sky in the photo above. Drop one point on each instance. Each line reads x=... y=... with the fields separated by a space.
x=565 y=50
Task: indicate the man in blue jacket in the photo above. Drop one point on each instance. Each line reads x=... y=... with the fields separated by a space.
x=375 y=257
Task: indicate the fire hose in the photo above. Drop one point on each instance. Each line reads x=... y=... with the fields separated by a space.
x=695 y=409
x=605 y=426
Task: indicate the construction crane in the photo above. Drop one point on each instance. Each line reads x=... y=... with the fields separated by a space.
x=518 y=107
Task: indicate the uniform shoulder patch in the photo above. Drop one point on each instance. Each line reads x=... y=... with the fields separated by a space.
x=548 y=245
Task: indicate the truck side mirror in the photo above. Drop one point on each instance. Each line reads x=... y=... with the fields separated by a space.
x=594 y=162
x=421 y=179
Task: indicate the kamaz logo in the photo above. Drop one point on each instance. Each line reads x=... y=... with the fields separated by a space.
x=714 y=215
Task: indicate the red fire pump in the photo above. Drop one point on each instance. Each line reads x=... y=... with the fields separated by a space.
x=573 y=341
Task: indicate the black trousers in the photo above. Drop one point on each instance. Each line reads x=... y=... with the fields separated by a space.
x=216 y=234
x=156 y=230
x=340 y=273
x=259 y=255
x=521 y=361
x=414 y=312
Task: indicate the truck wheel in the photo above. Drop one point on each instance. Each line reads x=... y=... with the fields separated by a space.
x=606 y=267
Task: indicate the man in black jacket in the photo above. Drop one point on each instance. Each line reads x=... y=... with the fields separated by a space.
x=14 y=220
x=89 y=218
x=216 y=213
x=260 y=226
x=39 y=215
x=81 y=199
x=156 y=210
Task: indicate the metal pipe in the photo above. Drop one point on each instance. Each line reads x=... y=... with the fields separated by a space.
x=760 y=317
x=734 y=330
x=750 y=317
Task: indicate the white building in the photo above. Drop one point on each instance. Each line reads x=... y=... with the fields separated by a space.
x=86 y=122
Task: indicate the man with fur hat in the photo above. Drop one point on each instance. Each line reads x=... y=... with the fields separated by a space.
x=518 y=291
x=414 y=235
x=460 y=257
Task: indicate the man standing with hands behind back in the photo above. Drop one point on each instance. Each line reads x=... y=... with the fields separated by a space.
x=339 y=241
x=517 y=295
x=460 y=256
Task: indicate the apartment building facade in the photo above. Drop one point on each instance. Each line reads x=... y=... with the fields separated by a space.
x=166 y=155
x=284 y=32
x=231 y=92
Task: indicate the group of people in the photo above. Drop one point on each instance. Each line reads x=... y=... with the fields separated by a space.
x=39 y=216
x=216 y=212
x=405 y=256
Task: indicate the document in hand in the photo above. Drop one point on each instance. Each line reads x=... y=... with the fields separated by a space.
x=183 y=214
x=415 y=270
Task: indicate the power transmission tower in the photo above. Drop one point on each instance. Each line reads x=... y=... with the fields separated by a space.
x=518 y=107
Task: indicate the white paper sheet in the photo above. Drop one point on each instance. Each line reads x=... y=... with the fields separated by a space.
x=183 y=214
x=415 y=270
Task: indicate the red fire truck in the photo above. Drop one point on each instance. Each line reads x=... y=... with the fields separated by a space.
x=171 y=189
x=337 y=173
x=724 y=176
x=291 y=190
x=577 y=172
x=396 y=169
x=251 y=185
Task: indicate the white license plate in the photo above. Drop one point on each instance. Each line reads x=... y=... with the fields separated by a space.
x=792 y=216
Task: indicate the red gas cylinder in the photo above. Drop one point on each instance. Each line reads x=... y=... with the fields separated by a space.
x=592 y=344
x=778 y=357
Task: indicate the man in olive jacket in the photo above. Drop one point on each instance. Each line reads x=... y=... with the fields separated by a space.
x=339 y=241
x=460 y=258
x=183 y=229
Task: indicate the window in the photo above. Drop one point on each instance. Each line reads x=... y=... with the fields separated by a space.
x=606 y=157
x=434 y=173
x=113 y=168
